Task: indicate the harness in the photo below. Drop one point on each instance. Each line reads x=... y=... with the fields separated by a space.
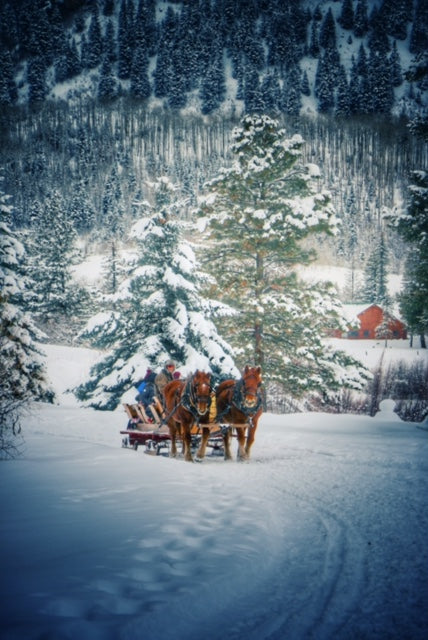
x=237 y=400
x=189 y=400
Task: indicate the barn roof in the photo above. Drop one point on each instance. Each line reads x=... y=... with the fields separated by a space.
x=352 y=311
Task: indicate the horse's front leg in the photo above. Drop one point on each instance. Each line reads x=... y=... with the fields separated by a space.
x=173 y=436
x=227 y=439
x=250 y=438
x=242 y=453
x=187 y=443
x=200 y=455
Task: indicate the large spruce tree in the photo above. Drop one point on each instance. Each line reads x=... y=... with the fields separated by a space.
x=257 y=213
x=22 y=372
x=412 y=225
x=158 y=312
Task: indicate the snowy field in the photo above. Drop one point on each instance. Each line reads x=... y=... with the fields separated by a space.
x=322 y=535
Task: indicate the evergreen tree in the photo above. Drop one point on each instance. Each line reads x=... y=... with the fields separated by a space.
x=162 y=312
x=109 y=43
x=378 y=38
x=395 y=67
x=140 y=83
x=95 y=42
x=346 y=18
x=145 y=20
x=213 y=87
x=177 y=97
x=361 y=20
x=418 y=43
x=107 y=86
x=81 y=210
x=68 y=64
x=36 y=78
x=376 y=272
x=162 y=72
x=325 y=84
x=413 y=296
x=270 y=93
x=258 y=211
x=304 y=86
x=314 y=47
x=412 y=225
x=21 y=365
x=291 y=101
x=327 y=37
x=252 y=94
x=8 y=92
x=395 y=14
x=381 y=89
x=53 y=251
x=125 y=39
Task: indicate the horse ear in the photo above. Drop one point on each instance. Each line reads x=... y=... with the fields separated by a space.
x=259 y=369
x=246 y=368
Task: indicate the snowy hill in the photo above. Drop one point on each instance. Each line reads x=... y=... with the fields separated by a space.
x=323 y=534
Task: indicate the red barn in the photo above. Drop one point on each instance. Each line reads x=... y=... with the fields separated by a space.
x=370 y=320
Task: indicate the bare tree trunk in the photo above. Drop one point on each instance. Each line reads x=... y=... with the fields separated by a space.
x=258 y=326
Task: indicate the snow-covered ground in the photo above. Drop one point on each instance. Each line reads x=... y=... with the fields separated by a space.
x=322 y=535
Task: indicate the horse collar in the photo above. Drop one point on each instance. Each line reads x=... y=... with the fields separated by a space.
x=237 y=400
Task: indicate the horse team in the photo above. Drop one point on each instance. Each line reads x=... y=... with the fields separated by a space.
x=238 y=405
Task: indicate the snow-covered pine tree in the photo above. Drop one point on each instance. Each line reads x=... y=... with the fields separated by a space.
x=412 y=225
x=158 y=313
x=22 y=373
x=53 y=251
x=257 y=212
x=376 y=272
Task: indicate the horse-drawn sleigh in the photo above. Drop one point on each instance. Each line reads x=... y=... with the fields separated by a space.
x=199 y=417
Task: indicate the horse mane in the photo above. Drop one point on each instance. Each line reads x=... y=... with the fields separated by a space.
x=226 y=384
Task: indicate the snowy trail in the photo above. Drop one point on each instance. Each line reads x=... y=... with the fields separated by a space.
x=317 y=537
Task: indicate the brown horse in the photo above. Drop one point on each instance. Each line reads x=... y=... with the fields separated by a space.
x=240 y=402
x=187 y=404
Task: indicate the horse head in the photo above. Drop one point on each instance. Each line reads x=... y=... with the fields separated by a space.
x=250 y=386
x=200 y=392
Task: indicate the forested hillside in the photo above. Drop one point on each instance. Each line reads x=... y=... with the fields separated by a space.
x=346 y=57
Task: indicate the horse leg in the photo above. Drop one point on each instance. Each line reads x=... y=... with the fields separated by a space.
x=173 y=436
x=200 y=455
x=187 y=443
x=250 y=438
x=242 y=453
x=227 y=438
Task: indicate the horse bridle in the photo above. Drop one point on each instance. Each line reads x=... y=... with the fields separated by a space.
x=190 y=399
x=238 y=397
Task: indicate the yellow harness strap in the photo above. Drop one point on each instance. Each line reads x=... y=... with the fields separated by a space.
x=213 y=408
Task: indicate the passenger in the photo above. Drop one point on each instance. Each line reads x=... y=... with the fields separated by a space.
x=165 y=376
x=141 y=385
x=148 y=392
